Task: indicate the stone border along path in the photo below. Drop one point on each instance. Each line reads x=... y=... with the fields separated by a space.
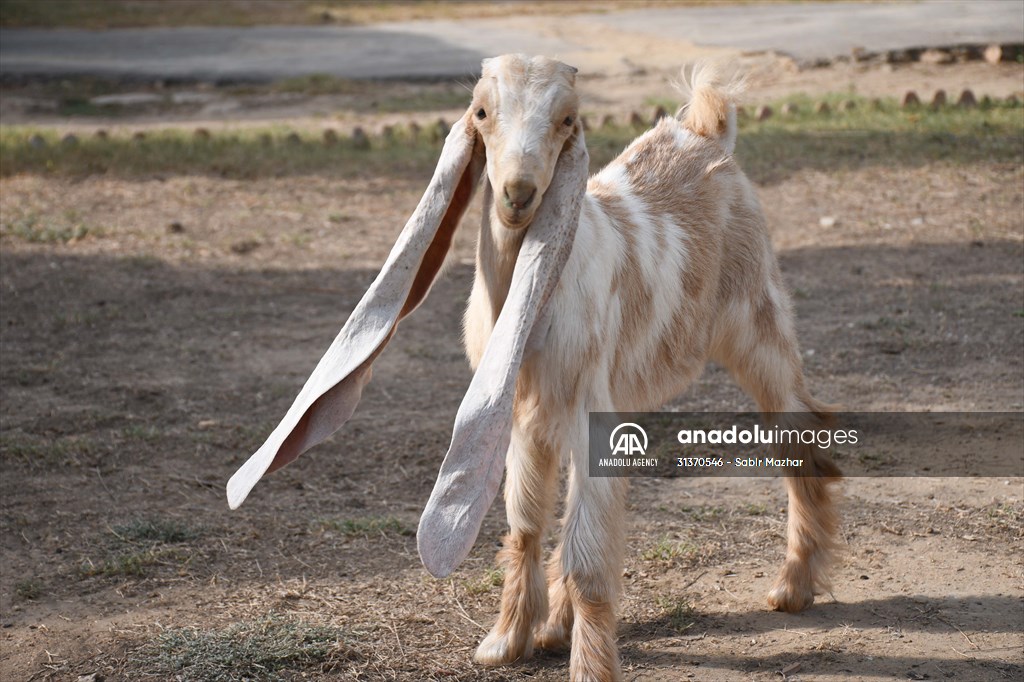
x=415 y=133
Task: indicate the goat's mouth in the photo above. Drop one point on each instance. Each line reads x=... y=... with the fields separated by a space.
x=514 y=218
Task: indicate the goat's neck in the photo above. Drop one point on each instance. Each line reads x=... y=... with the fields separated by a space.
x=496 y=254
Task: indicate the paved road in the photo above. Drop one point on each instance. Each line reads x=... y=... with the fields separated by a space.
x=444 y=49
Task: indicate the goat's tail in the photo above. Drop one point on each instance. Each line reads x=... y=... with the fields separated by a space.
x=711 y=110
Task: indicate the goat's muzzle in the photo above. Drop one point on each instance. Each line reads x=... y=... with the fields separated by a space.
x=517 y=204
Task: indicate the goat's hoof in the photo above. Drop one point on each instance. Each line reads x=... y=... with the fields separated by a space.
x=589 y=671
x=502 y=648
x=790 y=596
x=551 y=637
x=794 y=588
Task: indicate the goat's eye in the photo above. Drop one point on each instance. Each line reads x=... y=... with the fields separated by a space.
x=568 y=121
x=481 y=114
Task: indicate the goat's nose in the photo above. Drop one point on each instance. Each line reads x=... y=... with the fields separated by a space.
x=519 y=193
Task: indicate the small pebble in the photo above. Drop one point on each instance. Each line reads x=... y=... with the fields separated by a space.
x=827 y=221
x=933 y=56
x=899 y=57
x=244 y=247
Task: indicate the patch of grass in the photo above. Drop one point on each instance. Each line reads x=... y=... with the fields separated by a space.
x=39 y=451
x=491 y=579
x=134 y=563
x=313 y=84
x=274 y=647
x=28 y=589
x=370 y=96
x=139 y=544
x=124 y=565
x=81 y=106
x=679 y=614
x=425 y=100
x=1007 y=515
x=753 y=509
x=365 y=527
x=156 y=529
x=33 y=229
x=769 y=151
x=668 y=551
x=146 y=434
x=703 y=513
x=271 y=152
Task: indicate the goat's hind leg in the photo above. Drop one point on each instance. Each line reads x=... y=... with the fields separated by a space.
x=813 y=522
x=761 y=352
x=531 y=483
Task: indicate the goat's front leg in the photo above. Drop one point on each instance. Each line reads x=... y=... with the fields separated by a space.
x=531 y=482
x=592 y=554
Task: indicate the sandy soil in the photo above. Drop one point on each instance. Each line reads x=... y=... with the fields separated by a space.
x=140 y=366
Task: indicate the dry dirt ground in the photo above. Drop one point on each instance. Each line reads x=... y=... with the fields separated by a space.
x=142 y=365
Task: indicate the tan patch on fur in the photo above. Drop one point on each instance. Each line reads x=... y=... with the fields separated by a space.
x=633 y=292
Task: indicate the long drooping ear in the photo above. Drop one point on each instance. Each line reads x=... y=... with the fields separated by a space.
x=333 y=390
x=471 y=472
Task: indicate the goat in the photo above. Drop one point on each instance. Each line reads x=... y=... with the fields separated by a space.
x=607 y=295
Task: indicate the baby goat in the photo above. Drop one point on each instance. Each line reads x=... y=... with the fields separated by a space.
x=602 y=296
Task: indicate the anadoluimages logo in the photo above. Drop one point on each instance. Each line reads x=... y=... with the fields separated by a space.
x=628 y=439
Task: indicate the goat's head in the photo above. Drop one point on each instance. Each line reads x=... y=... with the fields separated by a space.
x=537 y=167
x=524 y=110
